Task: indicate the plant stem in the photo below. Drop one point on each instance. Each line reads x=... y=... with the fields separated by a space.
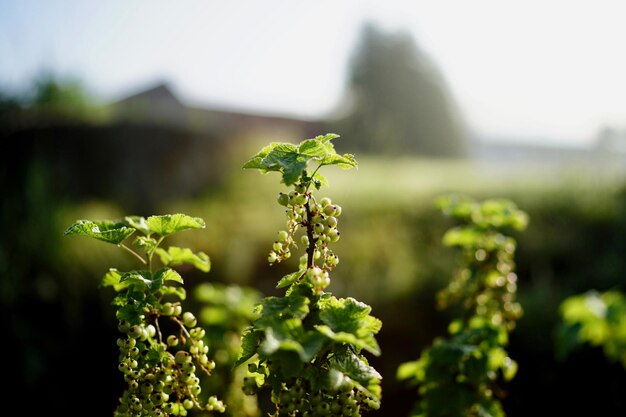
x=135 y=254
x=310 y=250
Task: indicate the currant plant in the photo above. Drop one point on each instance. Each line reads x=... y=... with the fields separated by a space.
x=162 y=354
x=307 y=346
x=459 y=375
x=594 y=319
x=226 y=310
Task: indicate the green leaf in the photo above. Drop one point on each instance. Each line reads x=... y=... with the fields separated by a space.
x=168 y=224
x=410 y=370
x=276 y=309
x=313 y=148
x=113 y=279
x=322 y=179
x=345 y=161
x=163 y=275
x=104 y=230
x=146 y=243
x=363 y=342
x=178 y=292
x=347 y=320
x=131 y=313
x=139 y=223
x=292 y=160
x=289 y=279
x=176 y=256
x=136 y=278
x=358 y=370
x=249 y=343
x=256 y=162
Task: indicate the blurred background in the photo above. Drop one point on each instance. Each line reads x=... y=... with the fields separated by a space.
x=115 y=108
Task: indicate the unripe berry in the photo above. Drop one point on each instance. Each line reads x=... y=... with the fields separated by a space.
x=167 y=309
x=189 y=319
x=282 y=236
x=325 y=202
x=135 y=331
x=272 y=257
x=188 y=404
x=182 y=357
x=172 y=340
x=147 y=388
x=283 y=199
x=195 y=389
x=329 y=210
x=331 y=221
x=333 y=234
x=197 y=333
x=123 y=326
x=178 y=310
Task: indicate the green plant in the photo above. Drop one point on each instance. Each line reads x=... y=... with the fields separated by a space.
x=306 y=346
x=226 y=310
x=596 y=319
x=458 y=375
x=162 y=353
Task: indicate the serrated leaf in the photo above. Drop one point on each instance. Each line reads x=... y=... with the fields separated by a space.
x=276 y=309
x=345 y=161
x=146 y=243
x=256 y=162
x=322 y=179
x=358 y=370
x=305 y=345
x=327 y=137
x=138 y=222
x=178 y=292
x=163 y=275
x=113 y=279
x=292 y=160
x=131 y=313
x=366 y=342
x=136 y=278
x=289 y=279
x=104 y=230
x=168 y=224
x=176 y=256
x=313 y=148
x=249 y=344
x=347 y=320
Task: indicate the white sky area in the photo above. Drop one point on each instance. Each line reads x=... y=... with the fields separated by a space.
x=546 y=70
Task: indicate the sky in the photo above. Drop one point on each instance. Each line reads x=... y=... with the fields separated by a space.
x=548 y=71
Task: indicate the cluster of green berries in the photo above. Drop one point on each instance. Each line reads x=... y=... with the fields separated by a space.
x=161 y=376
x=319 y=220
x=300 y=401
x=488 y=285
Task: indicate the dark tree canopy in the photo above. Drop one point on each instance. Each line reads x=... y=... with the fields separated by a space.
x=399 y=101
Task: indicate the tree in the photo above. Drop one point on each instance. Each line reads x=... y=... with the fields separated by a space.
x=400 y=102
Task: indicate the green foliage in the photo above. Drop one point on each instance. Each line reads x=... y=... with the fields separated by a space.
x=458 y=375
x=596 y=319
x=306 y=346
x=225 y=312
x=162 y=351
